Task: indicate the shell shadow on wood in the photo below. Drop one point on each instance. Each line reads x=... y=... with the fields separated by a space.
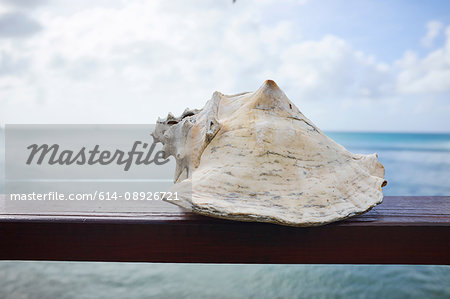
x=256 y=157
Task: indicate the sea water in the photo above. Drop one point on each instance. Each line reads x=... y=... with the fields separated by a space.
x=416 y=164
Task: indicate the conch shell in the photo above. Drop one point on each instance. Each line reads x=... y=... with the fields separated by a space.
x=256 y=157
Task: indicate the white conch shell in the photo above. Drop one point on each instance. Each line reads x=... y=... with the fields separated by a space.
x=256 y=157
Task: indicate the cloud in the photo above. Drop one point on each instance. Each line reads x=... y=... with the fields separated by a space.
x=330 y=68
x=428 y=75
x=17 y=24
x=138 y=61
x=23 y=3
x=10 y=65
x=434 y=28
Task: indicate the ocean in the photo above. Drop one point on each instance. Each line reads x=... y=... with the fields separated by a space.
x=416 y=164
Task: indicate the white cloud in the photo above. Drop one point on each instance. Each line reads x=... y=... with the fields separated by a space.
x=428 y=75
x=130 y=62
x=331 y=69
x=16 y=24
x=434 y=28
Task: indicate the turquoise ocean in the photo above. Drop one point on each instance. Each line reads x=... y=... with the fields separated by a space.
x=416 y=164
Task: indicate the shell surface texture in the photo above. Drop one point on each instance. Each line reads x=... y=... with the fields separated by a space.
x=256 y=157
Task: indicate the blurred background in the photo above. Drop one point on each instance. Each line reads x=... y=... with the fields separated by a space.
x=348 y=65
x=375 y=75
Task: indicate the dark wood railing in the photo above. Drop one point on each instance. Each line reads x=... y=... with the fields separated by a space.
x=402 y=230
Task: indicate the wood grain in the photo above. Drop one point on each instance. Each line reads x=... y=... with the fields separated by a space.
x=402 y=230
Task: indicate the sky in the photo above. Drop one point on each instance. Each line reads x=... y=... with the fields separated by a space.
x=352 y=65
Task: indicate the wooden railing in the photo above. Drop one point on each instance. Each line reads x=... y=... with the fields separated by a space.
x=402 y=230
